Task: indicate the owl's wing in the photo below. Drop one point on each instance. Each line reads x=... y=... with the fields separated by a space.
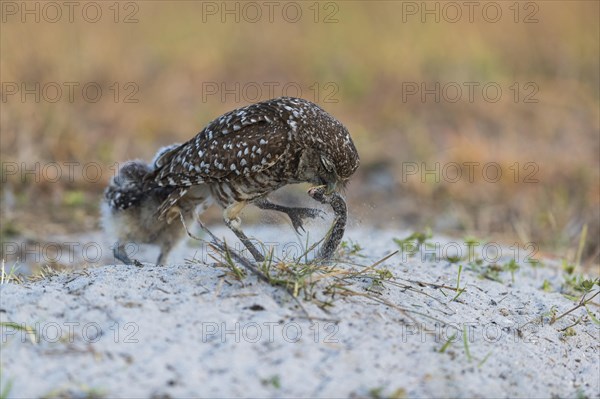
x=237 y=144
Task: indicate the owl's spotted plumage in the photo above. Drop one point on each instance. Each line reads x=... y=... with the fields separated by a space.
x=127 y=188
x=250 y=152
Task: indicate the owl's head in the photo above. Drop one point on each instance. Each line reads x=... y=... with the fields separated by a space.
x=336 y=161
x=131 y=172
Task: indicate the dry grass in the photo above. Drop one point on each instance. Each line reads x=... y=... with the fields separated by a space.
x=369 y=54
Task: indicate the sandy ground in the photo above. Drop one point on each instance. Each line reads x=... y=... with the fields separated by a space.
x=193 y=330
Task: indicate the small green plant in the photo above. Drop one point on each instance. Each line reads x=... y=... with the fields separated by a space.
x=453 y=259
x=376 y=393
x=273 y=381
x=413 y=243
x=546 y=286
x=399 y=393
x=471 y=242
x=512 y=266
x=587 y=286
x=350 y=248
x=466 y=344
x=535 y=263
x=447 y=343
x=567 y=267
x=592 y=316
x=378 y=279
x=237 y=272
x=11 y=276
x=575 y=285
x=551 y=314
x=491 y=272
x=459 y=290
x=482 y=362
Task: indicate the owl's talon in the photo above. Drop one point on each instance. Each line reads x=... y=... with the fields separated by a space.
x=297 y=215
x=297 y=224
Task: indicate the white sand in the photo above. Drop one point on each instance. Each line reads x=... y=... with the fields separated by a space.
x=190 y=330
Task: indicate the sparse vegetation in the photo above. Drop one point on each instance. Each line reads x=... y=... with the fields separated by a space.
x=273 y=381
x=39 y=272
x=512 y=266
x=312 y=279
x=586 y=286
x=11 y=275
x=414 y=242
x=349 y=248
x=466 y=344
x=459 y=290
x=447 y=343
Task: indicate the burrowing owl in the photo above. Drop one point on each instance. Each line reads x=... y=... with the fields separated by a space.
x=244 y=155
x=129 y=211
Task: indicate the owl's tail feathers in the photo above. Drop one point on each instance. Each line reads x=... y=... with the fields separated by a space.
x=164 y=155
x=160 y=166
x=170 y=202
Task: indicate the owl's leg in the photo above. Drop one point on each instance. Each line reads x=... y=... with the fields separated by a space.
x=120 y=254
x=165 y=249
x=230 y=216
x=296 y=215
x=161 y=257
x=335 y=235
x=173 y=213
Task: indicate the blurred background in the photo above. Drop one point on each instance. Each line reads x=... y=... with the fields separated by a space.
x=479 y=120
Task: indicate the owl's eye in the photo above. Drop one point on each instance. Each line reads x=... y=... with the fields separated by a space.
x=327 y=164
